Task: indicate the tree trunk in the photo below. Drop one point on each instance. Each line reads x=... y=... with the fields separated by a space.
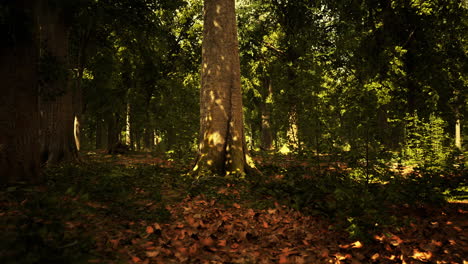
x=128 y=140
x=77 y=132
x=266 y=136
x=101 y=134
x=113 y=131
x=77 y=98
x=458 y=142
x=56 y=102
x=293 y=130
x=222 y=146
x=19 y=118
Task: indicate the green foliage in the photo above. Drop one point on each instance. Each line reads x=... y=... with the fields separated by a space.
x=354 y=203
x=426 y=142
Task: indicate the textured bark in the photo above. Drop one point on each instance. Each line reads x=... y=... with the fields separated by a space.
x=56 y=104
x=57 y=130
x=222 y=146
x=19 y=118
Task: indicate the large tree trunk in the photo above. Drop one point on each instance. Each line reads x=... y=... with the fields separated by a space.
x=56 y=104
x=19 y=118
x=222 y=146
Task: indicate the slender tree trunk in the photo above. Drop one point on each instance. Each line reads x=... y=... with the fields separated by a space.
x=80 y=61
x=292 y=133
x=56 y=103
x=171 y=137
x=19 y=118
x=113 y=131
x=128 y=140
x=266 y=134
x=222 y=146
x=101 y=134
x=148 y=139
x=77 y=98
x=458 y=141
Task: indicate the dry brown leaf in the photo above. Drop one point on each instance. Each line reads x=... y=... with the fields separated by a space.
x=136 y=259
x=193 y=249
x=149 y=230
x=341 y=256
x=272 y=211
x=222 y=243
x=283 y=259
x=152 y=254
x=421 y=256
x=356 y=244
x=208 y=241
x=182 y=250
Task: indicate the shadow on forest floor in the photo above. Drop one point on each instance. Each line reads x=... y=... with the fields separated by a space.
x=143 y=209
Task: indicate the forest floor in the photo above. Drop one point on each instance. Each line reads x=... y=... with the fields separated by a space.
x=144 y=209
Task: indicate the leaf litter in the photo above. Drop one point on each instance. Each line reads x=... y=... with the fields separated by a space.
x=202 y=229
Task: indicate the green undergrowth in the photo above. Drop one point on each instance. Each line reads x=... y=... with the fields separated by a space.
x=351 y=199
x=355 y=202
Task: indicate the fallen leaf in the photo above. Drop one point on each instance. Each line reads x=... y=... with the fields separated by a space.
x=182 y=250
x=193 y=249
x=283 y=259
x=341 y=256
x=356 y=244
x=136 y=259
x=149 y=230
x=114 y=242
x=207 y=241
x=422 y=256
x=152 y=254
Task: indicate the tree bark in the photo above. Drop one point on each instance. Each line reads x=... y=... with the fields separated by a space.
x=113 y=131
x=56 y=102
x=128 y=139
x=266 y=134
x=458 y=141
x=19 y=118
x=222 y=147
